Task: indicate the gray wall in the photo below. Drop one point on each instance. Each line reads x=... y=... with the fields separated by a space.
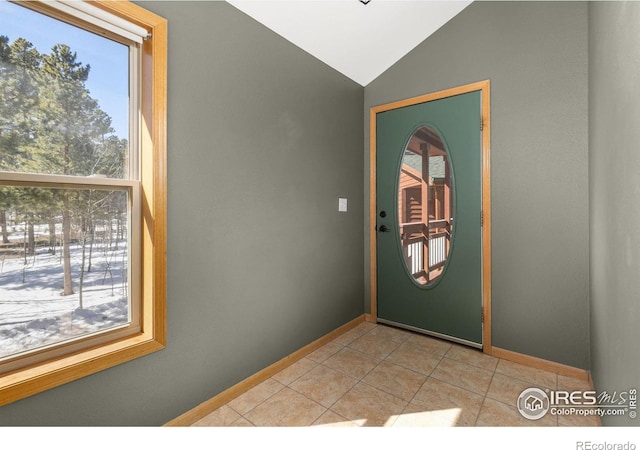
x=614 y=65
x=535 y=54
x=263 y=139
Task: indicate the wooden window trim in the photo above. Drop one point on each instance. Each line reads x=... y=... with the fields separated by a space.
x=31 y=380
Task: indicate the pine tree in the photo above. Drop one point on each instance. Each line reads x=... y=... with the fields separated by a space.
x=49 y=123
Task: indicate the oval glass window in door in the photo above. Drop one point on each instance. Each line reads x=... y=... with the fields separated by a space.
x=425 y=205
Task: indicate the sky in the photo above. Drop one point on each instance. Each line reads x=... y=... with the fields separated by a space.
x=108 y=78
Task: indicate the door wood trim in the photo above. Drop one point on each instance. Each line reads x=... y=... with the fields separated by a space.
x=484 y=88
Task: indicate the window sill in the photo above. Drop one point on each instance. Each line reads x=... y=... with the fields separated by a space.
x=25 y=382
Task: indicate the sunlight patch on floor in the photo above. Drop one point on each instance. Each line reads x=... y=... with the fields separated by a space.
x=440 y=417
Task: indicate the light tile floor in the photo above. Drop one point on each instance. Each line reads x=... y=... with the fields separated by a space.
x=375 y=375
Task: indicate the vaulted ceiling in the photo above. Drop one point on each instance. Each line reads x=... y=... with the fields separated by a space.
x=359 y=40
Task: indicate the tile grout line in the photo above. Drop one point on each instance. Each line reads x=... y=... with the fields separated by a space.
x=484 y=398
x=259 y=403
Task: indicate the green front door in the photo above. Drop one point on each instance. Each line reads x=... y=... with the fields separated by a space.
x=428 y=217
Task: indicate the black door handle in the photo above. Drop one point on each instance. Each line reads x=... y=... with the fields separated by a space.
x=383 y=229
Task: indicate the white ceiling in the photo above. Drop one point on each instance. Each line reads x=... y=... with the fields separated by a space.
x=360 y=41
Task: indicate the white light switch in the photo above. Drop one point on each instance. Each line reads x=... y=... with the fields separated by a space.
x=342 y=204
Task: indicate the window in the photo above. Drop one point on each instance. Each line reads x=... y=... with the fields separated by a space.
x=425 y=206
x=82 y=190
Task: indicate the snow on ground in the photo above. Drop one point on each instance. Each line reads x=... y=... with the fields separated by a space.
x=33 y=313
